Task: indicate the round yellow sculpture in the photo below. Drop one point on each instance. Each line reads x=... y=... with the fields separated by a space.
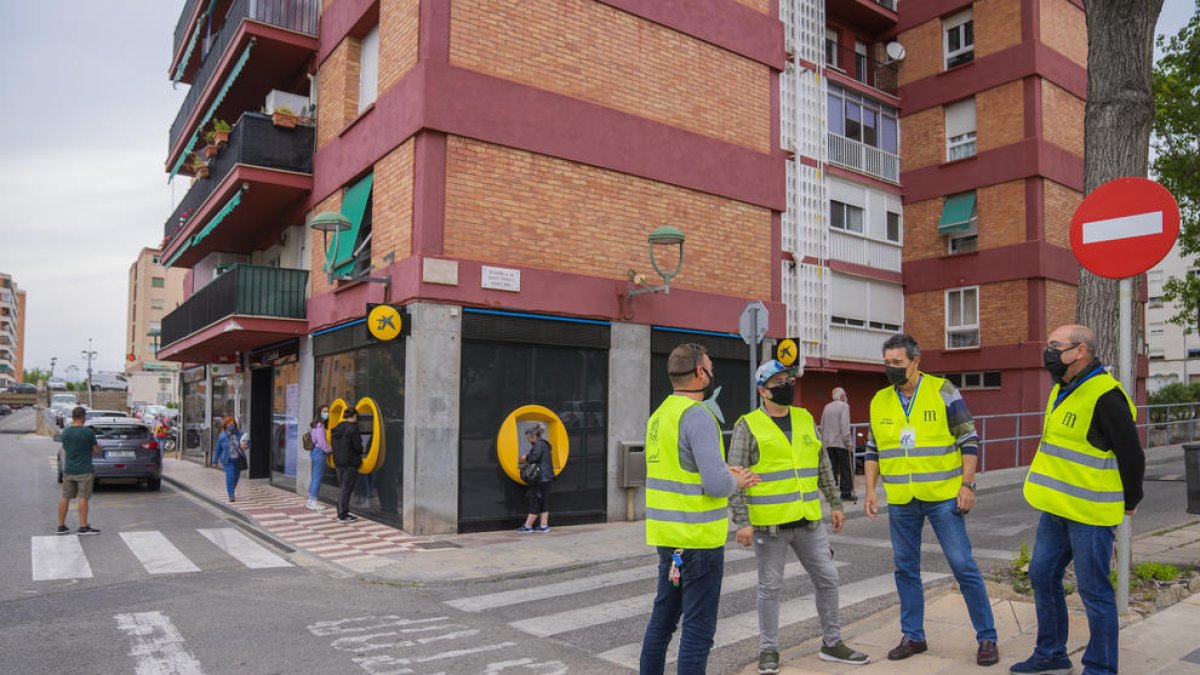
x=510 y=442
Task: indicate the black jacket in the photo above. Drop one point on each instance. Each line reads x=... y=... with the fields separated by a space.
x=347 y=446
x=541 y=454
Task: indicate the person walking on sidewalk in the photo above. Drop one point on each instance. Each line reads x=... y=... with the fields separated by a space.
x=1085 y=478
x=922 y=441
x=347 y=457
x=317 y=444
x=839 y=443
x=229 y=450
x=78 y=473
x=779 y=442
x=687 y=519
x=540 y=454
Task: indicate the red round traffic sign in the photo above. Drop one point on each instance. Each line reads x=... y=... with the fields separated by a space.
x=1124 y=227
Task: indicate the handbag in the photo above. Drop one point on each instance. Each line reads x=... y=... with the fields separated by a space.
x=242 y=465
x=531 y=473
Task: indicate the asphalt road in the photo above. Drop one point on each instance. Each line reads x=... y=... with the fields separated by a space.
x=249 y=606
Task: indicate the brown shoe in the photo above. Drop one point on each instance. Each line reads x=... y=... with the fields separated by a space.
x=988 y=654
x=907 y=648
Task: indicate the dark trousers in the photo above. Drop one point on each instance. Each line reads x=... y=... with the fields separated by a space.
x=695 y=600
x=536 y=496
x=347 y=477
x=843 y=470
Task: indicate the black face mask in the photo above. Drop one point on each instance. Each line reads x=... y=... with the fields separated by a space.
x=708 y=388
x=781 y=394
x=897 y=376
x=1052 y=361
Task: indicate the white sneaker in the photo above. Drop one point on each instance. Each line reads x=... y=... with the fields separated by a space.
x=314 y=506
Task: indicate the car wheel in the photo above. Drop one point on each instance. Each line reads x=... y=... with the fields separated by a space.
x=154 y=484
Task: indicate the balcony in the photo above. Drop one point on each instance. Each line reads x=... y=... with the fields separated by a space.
x=265 y=45
x=872 y=15
x=863 y=250
x=187 y=32
x=246 y=307
x=268 y=169
x=861 y=157
x=850 y=67
x=847 y=343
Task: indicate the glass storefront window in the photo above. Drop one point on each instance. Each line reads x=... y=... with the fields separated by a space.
x=226 y=390
x=193 y=420
x=285 y=423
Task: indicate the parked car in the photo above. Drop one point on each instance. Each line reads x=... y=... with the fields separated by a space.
x=127 y=450
x=57 y=385
x=109 y=381
x=22 y=388
x=90 y=415
x=5 y=410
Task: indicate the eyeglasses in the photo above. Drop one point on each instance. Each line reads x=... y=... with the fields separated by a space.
x=1062 y=346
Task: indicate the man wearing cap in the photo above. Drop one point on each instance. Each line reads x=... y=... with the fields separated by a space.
x=687 y=518
x=923 y=443
x=779 y=443
x=1085 y=478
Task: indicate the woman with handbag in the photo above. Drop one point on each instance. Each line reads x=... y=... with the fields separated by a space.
x=538 y=474
x=230 y=455
x=318 y=449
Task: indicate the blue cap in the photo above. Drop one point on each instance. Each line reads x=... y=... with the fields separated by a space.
x=768 y=370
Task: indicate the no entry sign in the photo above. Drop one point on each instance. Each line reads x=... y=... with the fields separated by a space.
x=1124 y=227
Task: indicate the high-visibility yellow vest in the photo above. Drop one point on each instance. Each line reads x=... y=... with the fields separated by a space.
x=788 y=491
x=1070 y=477
x=931 y=470
x=678 y=513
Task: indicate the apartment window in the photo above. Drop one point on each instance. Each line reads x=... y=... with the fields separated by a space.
x=351 y=253
x=893 y=227
x=1154 y=276
x=1158 y=353
x=831 y=48
x=959 y=223
x=1157 y=328
x=960 y=130
x=982 y=380
x=156 y=303
x=158 y=282
x=860 y=61
x=368 y=69
x=845 y=217
x=1156 y=302
x=1193 y=352
x=962 y=317
x=959 y=32
x=156 y=260
x=846 y=321
x=883 y=325
x=862 y=119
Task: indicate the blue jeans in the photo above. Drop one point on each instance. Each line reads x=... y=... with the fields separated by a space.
x=317 y=456
x=232 y=474
x=696 y=600
x=905 y=521
x=1060 y=540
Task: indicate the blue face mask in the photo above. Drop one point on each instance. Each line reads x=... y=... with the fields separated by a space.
x=324 y=414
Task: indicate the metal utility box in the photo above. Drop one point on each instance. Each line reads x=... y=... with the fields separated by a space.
x=632 y=462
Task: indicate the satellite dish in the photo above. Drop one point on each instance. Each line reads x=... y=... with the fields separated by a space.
x=895 y=51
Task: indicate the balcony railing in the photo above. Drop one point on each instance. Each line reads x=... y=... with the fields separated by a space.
x=245 y=290
x=852 y=154
x=856 y=344
x=862 y=68
x=182 y=34
x=296 y=15
x=253 y=141
x=863 y=250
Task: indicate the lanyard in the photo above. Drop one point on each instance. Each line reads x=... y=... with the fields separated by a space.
x=908 y=408
x=1063 y=393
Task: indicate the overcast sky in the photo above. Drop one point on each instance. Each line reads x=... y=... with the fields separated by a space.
x=86 y=108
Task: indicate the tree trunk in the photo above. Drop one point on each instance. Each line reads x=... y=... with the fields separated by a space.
x=1116 y=135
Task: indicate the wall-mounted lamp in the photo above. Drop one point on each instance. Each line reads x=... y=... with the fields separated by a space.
x=667 y=235
x=328 y=222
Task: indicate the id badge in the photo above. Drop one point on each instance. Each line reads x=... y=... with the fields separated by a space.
x=908 y=438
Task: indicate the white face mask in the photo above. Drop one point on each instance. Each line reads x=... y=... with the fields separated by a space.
x=324 y=414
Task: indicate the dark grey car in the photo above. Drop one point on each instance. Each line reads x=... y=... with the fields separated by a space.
x=127 y=450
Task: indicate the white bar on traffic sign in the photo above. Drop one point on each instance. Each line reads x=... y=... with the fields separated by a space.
x=1125 y=227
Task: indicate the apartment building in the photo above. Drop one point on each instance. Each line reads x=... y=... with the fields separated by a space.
x=1174 y=356
x=153 y=292
x=12 y=332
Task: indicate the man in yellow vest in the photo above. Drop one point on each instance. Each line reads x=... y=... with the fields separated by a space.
x=923 y=444
x=687 y=517
x=1085 y=478
x=780 y=444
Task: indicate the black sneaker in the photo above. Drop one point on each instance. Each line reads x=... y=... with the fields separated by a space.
x=63 y=529
x=87 y=530
x=347 y=518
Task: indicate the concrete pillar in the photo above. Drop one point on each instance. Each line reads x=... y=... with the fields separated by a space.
x=432 y=379
x=305 y=413
x=628 y=408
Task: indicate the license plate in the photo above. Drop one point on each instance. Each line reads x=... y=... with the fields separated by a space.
x=120 y=454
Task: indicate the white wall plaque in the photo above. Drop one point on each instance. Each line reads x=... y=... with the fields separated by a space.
x=501 y=279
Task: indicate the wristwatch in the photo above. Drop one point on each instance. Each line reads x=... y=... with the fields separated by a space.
x=970 y=485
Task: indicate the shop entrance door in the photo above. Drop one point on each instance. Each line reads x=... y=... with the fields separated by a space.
x=260 y=423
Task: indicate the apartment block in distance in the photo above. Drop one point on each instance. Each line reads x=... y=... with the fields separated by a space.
x=153 y=292
x=1174 y=356
x=12 y=332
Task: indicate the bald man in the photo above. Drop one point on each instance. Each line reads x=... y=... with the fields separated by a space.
x=1085 y=478
x=839 y=443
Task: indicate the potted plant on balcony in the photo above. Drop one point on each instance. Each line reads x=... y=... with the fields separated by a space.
x=198 y=166
x=284 y=117
x=211 y=147
x=220 y=130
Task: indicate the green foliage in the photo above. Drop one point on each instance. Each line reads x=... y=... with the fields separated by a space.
x=1157 y=571
x=1176 y=392
x=173 y=405
x=35 y=375
x=1020 y=569
x=1176 y=81
x=220 y=125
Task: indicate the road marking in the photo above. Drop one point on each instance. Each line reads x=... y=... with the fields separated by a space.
x=1125 y=227
x=743 y=626
x=157 y=645
x=479 y=603
x=594 y=615
x=376 y=664
x=58 y=557
x=157 y=554
x=239 y=546
x=989 y=553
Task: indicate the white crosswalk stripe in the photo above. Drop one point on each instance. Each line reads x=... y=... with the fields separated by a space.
x=58 y=557
x=240 y=546
x=157 y=554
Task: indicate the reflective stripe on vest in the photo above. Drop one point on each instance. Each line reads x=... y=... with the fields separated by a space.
x=1070 y=477
x=678 y=513
x=788 y=491
x=931 y=471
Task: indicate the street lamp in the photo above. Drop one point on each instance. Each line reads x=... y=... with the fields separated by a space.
x=333 y=222
x=89 y=355
x=665 y=236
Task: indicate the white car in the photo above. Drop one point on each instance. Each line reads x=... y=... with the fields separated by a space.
x=104 y=380
x=57 y=385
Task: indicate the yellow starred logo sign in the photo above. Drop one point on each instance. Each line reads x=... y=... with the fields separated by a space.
x=384 y=322
x=787 y=352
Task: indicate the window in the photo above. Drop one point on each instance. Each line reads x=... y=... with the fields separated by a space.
x=156 y=303
x=350 y=252
x=962 y=317
x=1156 y=302
x=1158 y=354
x=156 y=260
x=863 y=119
x=368 y=69
x=1157 y=328
x=845 y=217
x=860 y=61
x=983 y=380
x=1193 y=352
x=158 y=282
x=1154 y=276
x=893 y=227
x=844 y=321
x=960 y=223
x=883 y=325
x=960 y=130
x=959 y=31
x=831 y=48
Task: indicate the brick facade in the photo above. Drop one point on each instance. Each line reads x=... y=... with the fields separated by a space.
x=921 y=239
x=392 y=207
x=1059 y=204
x=1064 y=29
x=926 y=55
x=337 y=90
x=316 y=248
x=1062 y=118
x=923 y=139
x=925 y=318
x=997 y=25
x=1060 y=306
x=514 y=207
x=1003 y=313
x=1000 y=116
x=399 y=21
x=592 y=51
x=1001 y=214
x=763 y=6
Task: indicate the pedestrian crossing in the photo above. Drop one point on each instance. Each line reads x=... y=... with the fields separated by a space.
x=66 y=557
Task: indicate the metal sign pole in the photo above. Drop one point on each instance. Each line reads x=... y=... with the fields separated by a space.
x=754 y=361
x=1125 y=371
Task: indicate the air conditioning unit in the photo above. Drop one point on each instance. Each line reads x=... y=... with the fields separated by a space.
x=281 y=99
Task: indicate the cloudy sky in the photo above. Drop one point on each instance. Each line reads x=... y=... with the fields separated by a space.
x=87 y=105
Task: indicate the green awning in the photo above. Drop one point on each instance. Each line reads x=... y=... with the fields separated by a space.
x=957 y=212
x=216 y=220
x=187 y=243
x=187 y=54
x=237 y=70
x=354 y=207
